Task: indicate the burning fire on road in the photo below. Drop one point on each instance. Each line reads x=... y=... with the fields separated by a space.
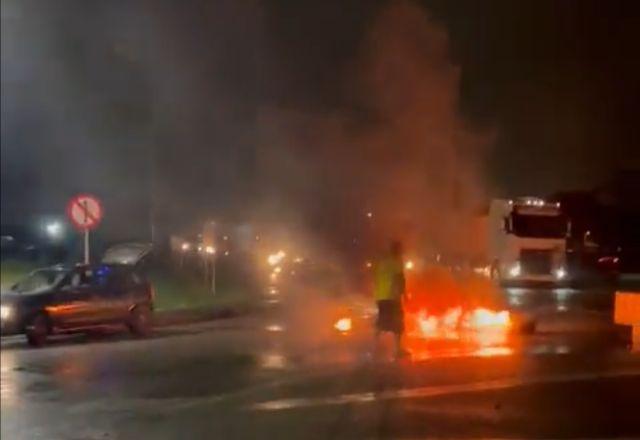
x=484 y=326
x=442 y=312
x=343 y=325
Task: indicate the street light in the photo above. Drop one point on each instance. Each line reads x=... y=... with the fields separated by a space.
x=185 y=247
x=275 y=259
x=54 y=229
x=210 y=266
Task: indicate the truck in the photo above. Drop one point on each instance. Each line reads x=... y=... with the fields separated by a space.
x=526 y=241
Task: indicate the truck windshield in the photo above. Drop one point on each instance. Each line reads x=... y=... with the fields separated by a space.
x=539 y=226
x=38 y=280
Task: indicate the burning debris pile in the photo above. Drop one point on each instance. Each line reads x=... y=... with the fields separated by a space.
x=440 y=308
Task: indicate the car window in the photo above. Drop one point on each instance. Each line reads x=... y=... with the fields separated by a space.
x=102 y=280
x=90 y=278
x=81 y=278
x=65 y=281
x=39 y=280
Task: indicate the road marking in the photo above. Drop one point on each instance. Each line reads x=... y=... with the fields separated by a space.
x=433 y=391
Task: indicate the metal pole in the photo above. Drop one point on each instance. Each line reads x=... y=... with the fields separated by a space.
x=213 y=274
x=86 y=246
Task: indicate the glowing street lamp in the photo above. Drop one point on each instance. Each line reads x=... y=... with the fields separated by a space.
x=54 y=230
x=275 y=259
x=184 y=247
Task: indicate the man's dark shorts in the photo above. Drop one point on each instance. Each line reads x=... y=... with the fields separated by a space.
x=390 y=316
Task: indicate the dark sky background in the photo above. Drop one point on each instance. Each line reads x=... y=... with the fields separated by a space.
x=197 y=107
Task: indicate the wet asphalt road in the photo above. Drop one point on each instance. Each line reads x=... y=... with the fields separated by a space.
x=261 y=377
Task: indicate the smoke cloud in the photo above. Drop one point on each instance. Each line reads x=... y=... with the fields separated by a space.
x=175 y=113
x=397 y=147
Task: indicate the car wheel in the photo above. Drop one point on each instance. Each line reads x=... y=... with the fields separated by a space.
x=37 y=330
x=140 y=321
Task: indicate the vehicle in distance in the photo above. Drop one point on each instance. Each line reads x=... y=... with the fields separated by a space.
x=527 y=241
x=59 y=300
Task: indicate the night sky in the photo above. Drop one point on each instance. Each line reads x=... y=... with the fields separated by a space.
x=180 y=104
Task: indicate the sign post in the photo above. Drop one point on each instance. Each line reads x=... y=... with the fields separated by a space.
x=86 y=246
x=85 y=212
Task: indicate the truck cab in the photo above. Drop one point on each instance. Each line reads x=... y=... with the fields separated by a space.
x=527 y=241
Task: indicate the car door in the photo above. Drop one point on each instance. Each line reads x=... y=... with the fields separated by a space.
x=77 y=303
x=115 y=298
x=64 y=304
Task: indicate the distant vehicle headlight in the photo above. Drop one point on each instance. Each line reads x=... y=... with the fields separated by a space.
x=515 y=270
x=561 y=273
x=5 y=312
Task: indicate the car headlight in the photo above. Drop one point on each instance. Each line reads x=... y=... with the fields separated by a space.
x=5 y=312
x=515 y=270
x=561 y=273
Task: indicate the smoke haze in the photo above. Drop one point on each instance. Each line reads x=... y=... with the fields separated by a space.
x=397 y=148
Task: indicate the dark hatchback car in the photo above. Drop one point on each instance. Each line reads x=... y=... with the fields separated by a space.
x=60 y=300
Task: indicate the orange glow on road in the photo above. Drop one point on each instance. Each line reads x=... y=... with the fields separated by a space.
x=493 y=351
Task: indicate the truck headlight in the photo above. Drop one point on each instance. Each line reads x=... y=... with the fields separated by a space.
x=515 y=270
x=561 y=273
x=5 y=312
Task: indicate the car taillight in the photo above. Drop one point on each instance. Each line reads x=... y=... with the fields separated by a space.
x=609 y=262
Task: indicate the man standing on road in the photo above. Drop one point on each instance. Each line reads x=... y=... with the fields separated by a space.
x=389 y=288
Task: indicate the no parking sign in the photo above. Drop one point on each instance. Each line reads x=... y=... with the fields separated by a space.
x=85 y=212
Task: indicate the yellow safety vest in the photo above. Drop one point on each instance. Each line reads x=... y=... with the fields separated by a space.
x=388 y=279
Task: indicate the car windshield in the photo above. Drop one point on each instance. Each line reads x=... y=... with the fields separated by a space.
x=539 y=226
x=38 y=281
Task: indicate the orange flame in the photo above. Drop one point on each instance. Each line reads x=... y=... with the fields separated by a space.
x=343 y=325
x=454 y=323
x=439 y=307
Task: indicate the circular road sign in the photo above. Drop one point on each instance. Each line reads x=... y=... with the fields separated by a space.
x=84 y=211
